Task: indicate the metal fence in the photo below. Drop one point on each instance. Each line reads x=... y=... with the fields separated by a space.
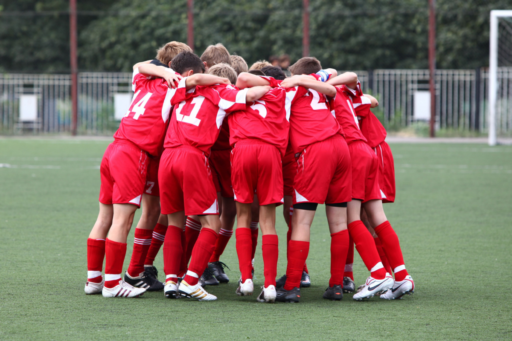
x=42 y=103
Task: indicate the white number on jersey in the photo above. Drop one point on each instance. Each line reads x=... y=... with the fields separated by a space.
x=138 y=108
x=315 y=103
x=260 y=107
x=351 y=106
x=192 y=118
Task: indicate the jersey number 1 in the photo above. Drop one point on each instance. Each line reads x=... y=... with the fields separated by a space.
x=192 y=118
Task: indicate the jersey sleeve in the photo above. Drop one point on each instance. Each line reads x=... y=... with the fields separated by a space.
x=137 y=79
x=274 y=83
x=362 y=106
x=231 y=99
x=179 y=94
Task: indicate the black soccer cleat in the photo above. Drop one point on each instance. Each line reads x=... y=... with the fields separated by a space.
x=151 y=277
x=207 y=278
x=290 y=296
x=334 y=293
x=280 y=282
x=348 y=285
x=217 y=269
x=143 y=282
x=305 y=281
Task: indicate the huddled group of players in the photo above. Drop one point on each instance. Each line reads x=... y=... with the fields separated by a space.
x=207 y=140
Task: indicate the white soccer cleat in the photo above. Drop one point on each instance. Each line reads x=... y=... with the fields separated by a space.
x=171 y=290
x=124 y=290
x=373 y=286
x=399 y=289
x=268 y=294
x=195 y=291
x=246 y=288
x=92 y=288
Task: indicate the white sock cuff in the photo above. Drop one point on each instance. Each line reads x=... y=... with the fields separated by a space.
x=399 y=268
x=226 y=233
x=109 y=277
x=192 y=274
x=377 y=267
x=192 y=224
x=254 y=225
x=171 y=276
x=348 y=267
x=93 y=274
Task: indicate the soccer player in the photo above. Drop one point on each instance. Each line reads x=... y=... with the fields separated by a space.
x=186 y=185
x=260 y=64
x=323 y=175
x=123 y=176
x=150 y=230
x=238 y=64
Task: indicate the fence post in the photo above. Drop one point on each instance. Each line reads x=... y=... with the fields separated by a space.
x=305 y=28
x=74 y=66
x=478 y=87
x=190 y=28
x=432 y=64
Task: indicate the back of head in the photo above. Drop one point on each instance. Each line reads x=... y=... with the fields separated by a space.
x=274 y=71
x=239 y=64
x=225 y=71
x=215 y=54
x=260 y=64
x=166 y=53
x=306 y=66
x=186 y=61
x=256 y=72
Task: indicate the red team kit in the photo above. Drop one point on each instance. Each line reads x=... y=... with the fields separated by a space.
x=206 y=137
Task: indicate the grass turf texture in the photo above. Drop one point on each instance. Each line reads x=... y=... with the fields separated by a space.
x=452 y=215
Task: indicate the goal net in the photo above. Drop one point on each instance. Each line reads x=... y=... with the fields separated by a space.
x=500 y=75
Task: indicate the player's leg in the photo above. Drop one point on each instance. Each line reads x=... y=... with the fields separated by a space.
x=404 y=283
x=173 y=252
x=270 y=251
x=244 y=248
x=255 y=218
x=192 y=230
x=157 y=241
x=378 y=243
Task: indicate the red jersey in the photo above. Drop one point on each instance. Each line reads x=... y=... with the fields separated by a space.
x=346 y=115
x=266 y=120
x=198 y=117
x=222 y=142
x=372 y=129
x=146 y=120
x=311 y=119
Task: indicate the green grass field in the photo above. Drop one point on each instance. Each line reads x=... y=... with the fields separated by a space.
x=453 y=216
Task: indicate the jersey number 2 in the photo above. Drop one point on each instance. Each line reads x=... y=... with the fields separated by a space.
x=315 y=103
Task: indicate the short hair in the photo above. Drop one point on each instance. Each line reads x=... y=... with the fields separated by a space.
x=284 y=58
x=272 y=59
x=274 y=71
x=239 y=64
x=216 y=54
x=225 y=71
x=186 y=61
x=306 y=66
x=260 y=64
x=166 y=53
x=256 y=72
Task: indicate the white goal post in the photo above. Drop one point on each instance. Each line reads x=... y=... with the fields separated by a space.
x=493 y=71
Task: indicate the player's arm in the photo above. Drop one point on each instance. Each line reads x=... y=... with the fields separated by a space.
x=311 y=83
x=347 y=78
x=247 y=80
x=374 y=101
x=256 y=92
x=141 y=63
x=204 y=80
x=170 y=76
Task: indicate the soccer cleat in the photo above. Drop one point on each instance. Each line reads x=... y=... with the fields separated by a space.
x=207 y=278
x=291 y=296
x=143 y=281
x=348 y=285
x=151 y=276
x=305 y=281
x=373 y=286
x=334 y=293
x=123 y=289
x=92 y=288
x=217 y=269
x=267 y=294
x=246 y=288
x=399 y=289
x=195 y=291
x=171 y=290
x=281 y=281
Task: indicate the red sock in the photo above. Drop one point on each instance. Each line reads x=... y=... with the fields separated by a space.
x=254 y=237
x=192 y=230
x=382 y=255
x=297 y=255
x=270 y=249
x=244 y=251
x=392 y=248
x=222 y=242
x=349 y=264
x=95 y=255
x=141 y=243
x=156 y=243
x=114 y=259
x=367 y=249
x=339 y=250
x=183 y=263
x=173 y=253
x=200 y=255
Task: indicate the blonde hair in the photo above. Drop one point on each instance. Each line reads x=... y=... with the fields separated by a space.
x=166 y=53
x=239 y=64
x=215 y=54
x=260 y=64
x=225 y=71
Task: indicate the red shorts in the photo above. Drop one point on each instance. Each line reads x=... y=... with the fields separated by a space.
x=324 y=173
x=152 y=187
x=387 y=172
x=123 y=173
x=257 y=167
x=289 y=171
x=221 y=172
x=186 y=182
x=365 y=172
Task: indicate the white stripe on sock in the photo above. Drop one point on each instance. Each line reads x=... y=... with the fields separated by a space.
x=348 y=267
x=399 y=268
x=158 y=236
x=93 y=274
x=191 y=273
x=109 y=277
x=142 y=241
x=254 y=225
x=377 y=267
x=171 y=276
x=227 y=233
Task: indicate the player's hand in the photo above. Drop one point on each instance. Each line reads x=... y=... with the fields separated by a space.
x=172 y=79
x=290 y=82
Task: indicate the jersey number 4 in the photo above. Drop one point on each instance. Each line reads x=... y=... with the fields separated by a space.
x=192 y=118
x=138 y=108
